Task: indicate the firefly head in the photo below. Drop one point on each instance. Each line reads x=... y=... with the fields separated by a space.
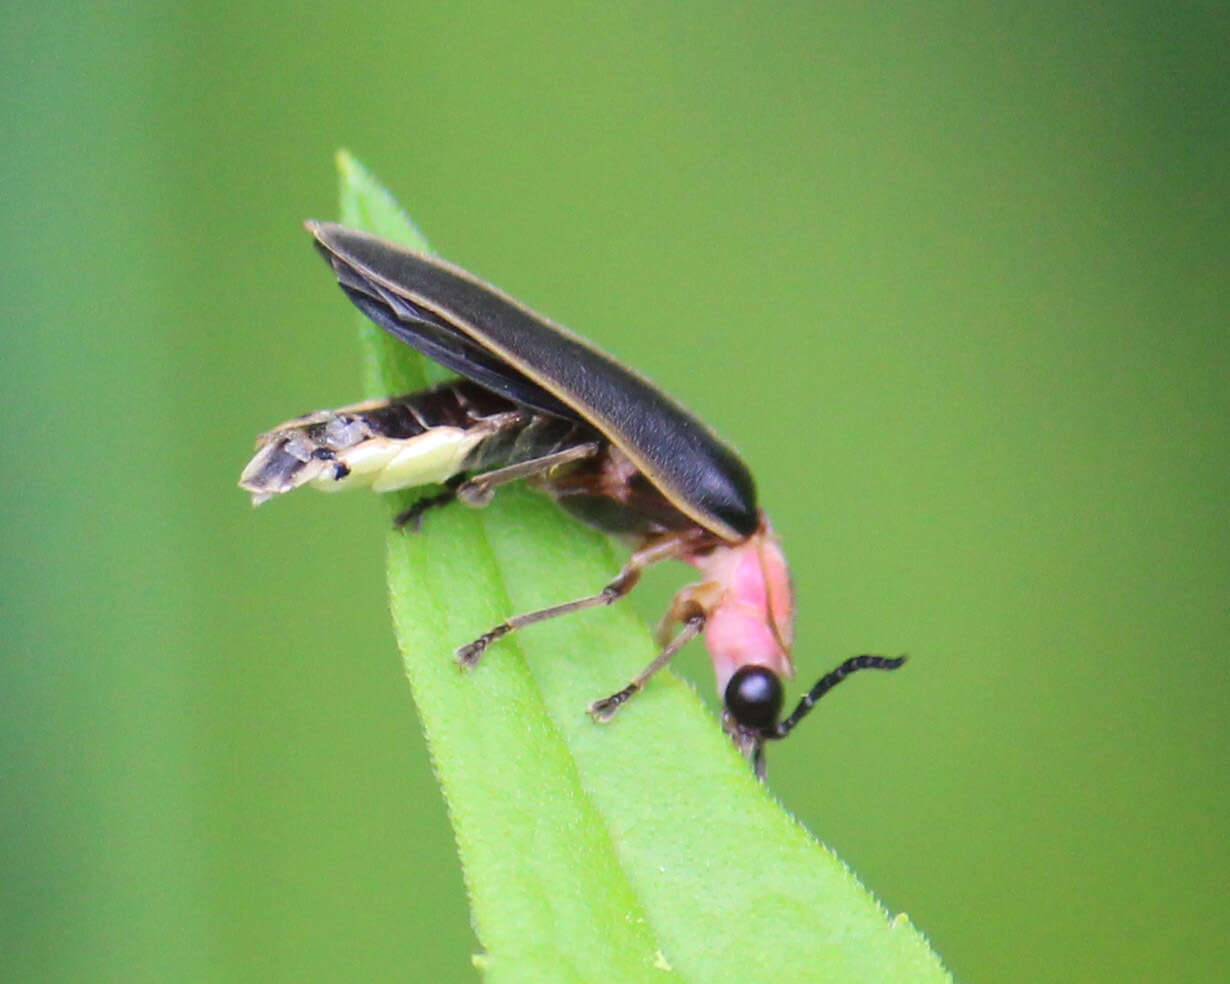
x=753 y=701
x=753 y=698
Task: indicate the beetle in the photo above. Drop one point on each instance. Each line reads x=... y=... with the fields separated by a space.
x=539 y=403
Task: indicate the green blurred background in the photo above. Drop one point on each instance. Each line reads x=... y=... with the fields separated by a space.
x=953 y=279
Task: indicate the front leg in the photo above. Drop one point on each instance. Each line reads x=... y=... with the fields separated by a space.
x=691 y=599
x=603 y=710
x=690 y=611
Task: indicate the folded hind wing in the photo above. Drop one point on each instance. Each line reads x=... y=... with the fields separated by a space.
x=434 y=337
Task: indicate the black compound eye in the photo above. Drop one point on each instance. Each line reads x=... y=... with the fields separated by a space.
x=754 y=697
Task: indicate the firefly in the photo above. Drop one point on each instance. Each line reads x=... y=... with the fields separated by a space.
x=536 y=402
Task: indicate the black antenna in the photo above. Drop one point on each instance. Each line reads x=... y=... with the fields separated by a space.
x=827 y=683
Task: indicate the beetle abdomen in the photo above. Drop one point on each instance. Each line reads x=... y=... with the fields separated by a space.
x=403 y=442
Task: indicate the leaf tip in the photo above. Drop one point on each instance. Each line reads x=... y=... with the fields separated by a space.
x=347 y=164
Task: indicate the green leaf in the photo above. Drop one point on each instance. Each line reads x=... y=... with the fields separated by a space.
x=639 y=850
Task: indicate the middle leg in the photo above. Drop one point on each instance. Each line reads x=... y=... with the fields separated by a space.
x=650 y=554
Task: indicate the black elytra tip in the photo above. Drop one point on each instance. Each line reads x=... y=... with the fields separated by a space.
x=754 y=697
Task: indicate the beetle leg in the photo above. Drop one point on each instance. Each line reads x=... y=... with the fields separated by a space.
x=413 y=517
x=650 y=554
x=665 y=629
x=603 y=710
x=479 y=490
x=690 y=609
x=702 y=597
